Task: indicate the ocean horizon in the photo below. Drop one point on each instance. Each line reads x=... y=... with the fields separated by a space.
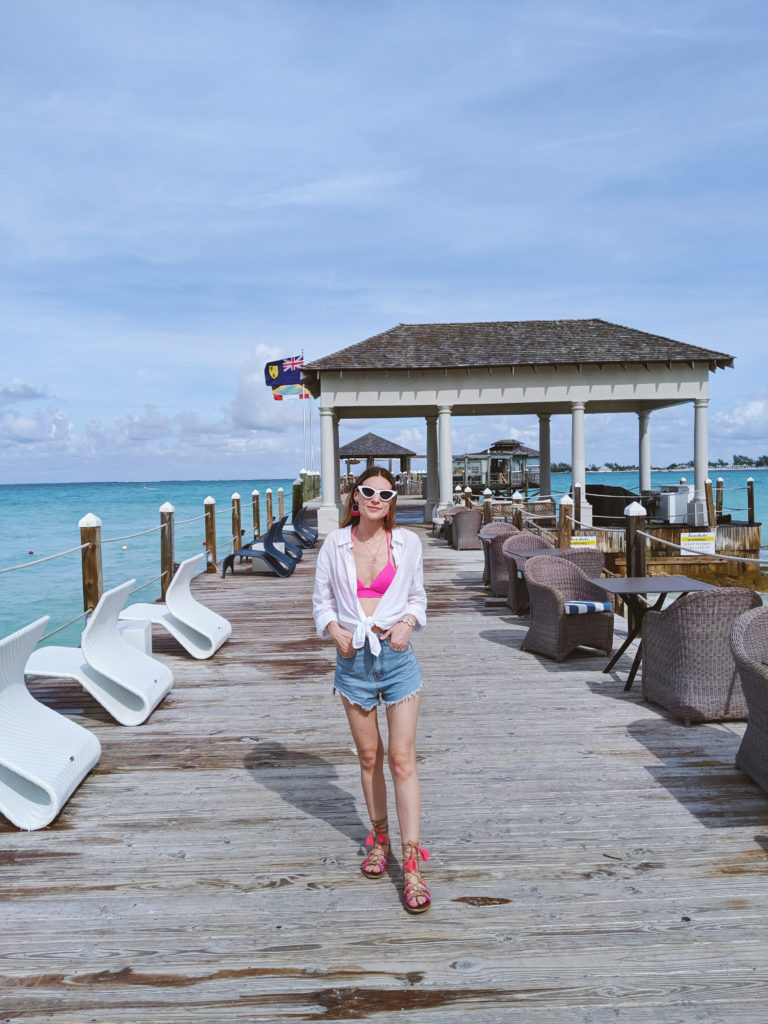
x=38 y=520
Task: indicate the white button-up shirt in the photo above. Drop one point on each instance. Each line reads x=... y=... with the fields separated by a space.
x=335 y=594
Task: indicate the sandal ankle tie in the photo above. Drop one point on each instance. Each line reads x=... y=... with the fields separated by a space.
x=380 y=837
x=412 y=863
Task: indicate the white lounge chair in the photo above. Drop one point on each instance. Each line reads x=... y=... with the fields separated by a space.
x=43 y=755
x=198 y=629
x=128 y=683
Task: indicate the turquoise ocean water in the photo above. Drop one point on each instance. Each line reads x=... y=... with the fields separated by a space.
x=43 y=519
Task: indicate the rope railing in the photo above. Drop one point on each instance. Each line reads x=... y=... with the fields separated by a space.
x=586 y=526
x=149 y=583
x=130 y=536
x=48 y=558
x=194 y=519
x=66 y=625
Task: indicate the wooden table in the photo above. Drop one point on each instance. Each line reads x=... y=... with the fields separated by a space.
x=632 y=589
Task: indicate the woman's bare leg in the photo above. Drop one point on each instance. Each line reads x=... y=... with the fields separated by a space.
x=370 y=752
x=402 y=720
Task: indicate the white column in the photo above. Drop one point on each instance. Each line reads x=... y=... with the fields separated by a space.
x=700 y=448
x=578 y=458
x=328 y=513
x=445 y=455
x=433 y=490
x=336 y=466
x=644 y=449
x=579 y=461
x=545 y=457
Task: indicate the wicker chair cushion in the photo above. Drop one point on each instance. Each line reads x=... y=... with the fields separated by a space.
x=585 y=607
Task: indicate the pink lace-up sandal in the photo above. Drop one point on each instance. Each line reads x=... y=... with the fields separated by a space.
x=416 y=898
x=375 y=863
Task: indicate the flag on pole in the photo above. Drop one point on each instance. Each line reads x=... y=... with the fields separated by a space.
x=283 y=371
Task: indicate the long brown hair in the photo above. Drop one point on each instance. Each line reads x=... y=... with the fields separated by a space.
x=389 y=522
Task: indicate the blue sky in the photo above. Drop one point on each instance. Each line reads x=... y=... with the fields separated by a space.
x=189 y=189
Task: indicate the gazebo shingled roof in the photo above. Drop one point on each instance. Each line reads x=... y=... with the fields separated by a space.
x=375 y=446
x=512 y=343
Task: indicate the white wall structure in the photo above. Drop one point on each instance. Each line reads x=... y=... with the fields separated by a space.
x=543 y=368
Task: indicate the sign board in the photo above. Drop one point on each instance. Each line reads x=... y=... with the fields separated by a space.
x=584 y=542
x=697 y=543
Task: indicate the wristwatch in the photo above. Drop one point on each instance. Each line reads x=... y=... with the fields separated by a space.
x=409 y=621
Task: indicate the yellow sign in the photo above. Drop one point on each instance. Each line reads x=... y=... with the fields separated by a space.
x=584 y=542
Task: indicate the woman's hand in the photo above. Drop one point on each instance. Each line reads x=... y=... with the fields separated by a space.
x=399 y=636
x=342 y=638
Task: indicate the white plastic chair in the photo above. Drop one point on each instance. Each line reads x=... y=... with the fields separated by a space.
x=200 y=630
x=126 y=682
x=43 y=755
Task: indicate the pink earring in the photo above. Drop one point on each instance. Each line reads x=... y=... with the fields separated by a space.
x=355 y=510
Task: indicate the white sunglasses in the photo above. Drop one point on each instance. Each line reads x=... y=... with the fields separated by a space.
x=368 y=492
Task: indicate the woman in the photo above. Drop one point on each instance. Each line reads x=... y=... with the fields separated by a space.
x=369 y=598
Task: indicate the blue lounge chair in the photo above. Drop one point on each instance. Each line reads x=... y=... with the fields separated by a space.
x=265 y=550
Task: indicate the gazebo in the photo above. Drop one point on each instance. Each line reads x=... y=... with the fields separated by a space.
x=544 y=367
x=371 y=447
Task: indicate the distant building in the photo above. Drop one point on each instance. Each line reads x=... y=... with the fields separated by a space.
x=506 y=466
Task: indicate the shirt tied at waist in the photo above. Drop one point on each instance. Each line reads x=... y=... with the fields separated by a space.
x=367 y=630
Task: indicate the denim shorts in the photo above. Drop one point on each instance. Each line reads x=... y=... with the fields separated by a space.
x=367 y=681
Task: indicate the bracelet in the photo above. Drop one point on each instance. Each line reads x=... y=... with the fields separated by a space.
x=409 y=621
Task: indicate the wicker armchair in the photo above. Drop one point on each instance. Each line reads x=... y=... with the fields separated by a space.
x=464 y=529
x=517 y=591
x=688 y=667
x=551 y=582
x=749 y=646
x=589 y=560
x=487 y=535
x=447 y=516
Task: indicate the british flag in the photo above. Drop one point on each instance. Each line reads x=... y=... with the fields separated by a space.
x=292 y=363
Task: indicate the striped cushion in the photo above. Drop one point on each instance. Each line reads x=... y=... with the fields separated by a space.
x=583 y=607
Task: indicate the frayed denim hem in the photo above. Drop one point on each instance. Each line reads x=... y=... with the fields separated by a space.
x=380 y=700
x=410 y=696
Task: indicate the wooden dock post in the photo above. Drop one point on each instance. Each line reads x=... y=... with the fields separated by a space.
x=297 y=498
x=167 y=567
x=270 y=517
x=210 y=533
x=750 y=500
x=93 y=580
x=517 y=510
x=280 y=502
x=719 y=495
x=711 y=515
x=564 y=522
x=255 y=500
x=237 y=528
x=636 y=546
x=487 y=506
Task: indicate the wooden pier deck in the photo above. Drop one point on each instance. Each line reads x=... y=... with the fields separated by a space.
x=592 y=860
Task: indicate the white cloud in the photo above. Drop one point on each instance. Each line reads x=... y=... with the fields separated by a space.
x=20 y=390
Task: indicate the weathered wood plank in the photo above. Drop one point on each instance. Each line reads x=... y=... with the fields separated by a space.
x=592 y=860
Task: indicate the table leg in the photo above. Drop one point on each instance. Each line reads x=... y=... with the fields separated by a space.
x=635 y=667
x=630 y=637
x=639 y=653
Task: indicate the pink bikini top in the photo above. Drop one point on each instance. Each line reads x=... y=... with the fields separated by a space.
x=383 y=581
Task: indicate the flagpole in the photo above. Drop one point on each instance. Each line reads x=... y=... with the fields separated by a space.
x=304 y=419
